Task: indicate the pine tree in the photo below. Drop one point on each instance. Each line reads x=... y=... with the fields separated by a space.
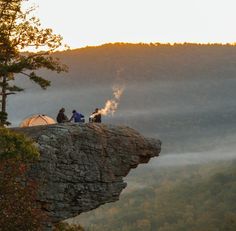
x=19 y=31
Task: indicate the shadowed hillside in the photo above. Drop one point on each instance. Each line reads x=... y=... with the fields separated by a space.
x=171 y=199
x=146 y=62
x=181 y=93
x=142 y=62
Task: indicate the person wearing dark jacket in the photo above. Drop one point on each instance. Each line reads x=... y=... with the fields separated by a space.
x=77 y=117
x=96 y=116
x=61 y=117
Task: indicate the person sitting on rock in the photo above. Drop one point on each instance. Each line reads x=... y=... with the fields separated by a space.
x=61 y=117
x=96 y=116
x=77 y=117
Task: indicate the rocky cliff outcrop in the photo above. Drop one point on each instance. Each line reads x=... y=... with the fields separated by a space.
x=82 y=165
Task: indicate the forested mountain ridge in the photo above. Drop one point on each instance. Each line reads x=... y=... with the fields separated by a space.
x=182 y=94
x=129 y=62
x=172 y=199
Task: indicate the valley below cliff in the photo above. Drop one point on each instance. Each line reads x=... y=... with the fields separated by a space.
x=183 y=94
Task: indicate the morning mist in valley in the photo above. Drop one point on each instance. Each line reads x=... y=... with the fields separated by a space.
x=160 y=77
x=183 y=94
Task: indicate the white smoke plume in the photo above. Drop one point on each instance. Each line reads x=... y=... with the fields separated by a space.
x=112 y=104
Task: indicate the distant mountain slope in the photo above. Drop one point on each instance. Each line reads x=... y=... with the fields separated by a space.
x=182 y=94
x=144 y=62
x=132 y=62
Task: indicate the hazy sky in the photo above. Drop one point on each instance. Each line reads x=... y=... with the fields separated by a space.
x=93 y=22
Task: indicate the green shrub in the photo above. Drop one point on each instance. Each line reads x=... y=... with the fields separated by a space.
x=16 y=145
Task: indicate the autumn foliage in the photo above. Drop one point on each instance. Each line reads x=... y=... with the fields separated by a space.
x=18 y=207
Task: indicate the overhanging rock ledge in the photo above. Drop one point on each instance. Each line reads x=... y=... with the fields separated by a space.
x=82 y=165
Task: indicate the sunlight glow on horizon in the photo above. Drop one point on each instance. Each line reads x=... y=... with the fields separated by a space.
x=92 y=22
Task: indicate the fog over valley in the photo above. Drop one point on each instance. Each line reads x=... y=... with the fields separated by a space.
x=182 y=94
x=157 y=151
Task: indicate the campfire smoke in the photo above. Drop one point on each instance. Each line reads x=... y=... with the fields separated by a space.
x=112 y=104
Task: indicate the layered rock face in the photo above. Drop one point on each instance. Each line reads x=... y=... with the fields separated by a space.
x=82 y=165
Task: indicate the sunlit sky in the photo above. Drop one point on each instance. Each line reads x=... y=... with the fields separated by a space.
x=94 y=22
